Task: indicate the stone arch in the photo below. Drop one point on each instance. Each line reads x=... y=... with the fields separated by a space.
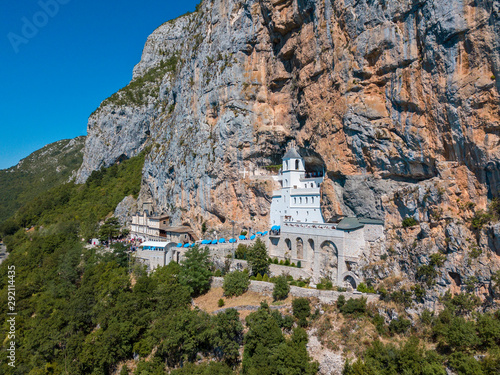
x=311 y=245
x=350 y=281
x=288 y=244
x=329 y=260
x=300 y=248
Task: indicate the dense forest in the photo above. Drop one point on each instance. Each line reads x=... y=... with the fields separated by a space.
x=93 y=311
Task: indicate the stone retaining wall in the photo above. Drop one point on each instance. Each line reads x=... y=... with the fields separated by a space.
x=325 y=296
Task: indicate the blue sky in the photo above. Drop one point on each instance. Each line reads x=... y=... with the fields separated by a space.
x=61 y=58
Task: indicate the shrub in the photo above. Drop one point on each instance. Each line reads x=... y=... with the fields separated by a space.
x=243 y=233
x=354 y=306
x=282 y=262
x=293 y=282
x=258 y=277
x=235 y=283
x=293 y=264
x=275 y=261
x=409 y=222
x=427 y=274
x=320 y=286
x=301 y=284
x=363 y=288
x=480 y=219
x=329 y=285
x=281 y=288
x=289 y=278
x=379 y=323
x=299 y=264
x=301 y=308
x=287 y=262
x=265 y=277
x=221 y=302
x=241 y=251
x=340 y=301
x=464 y=364
x=218 y=273
x=399 y=325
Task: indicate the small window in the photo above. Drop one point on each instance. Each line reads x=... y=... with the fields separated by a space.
x=295 y=200
x=307 y=200
x=300 y=200
x=296 y=164
x=312 y=200
x=312 y=185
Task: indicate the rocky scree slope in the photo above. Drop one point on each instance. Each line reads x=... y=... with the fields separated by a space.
x=397 y=100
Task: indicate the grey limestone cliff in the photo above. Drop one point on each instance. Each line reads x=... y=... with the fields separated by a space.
x=398 y=100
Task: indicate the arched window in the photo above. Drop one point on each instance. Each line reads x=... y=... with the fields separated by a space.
x=312 y=200
x=300 y=199
x=296 y=164
x=312 y=185
x=295 y=200
x=307 y=200
x=286 y=182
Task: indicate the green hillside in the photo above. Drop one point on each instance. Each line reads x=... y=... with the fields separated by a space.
x=40 y=171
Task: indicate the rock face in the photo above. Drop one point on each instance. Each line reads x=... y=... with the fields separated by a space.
x=398 y=100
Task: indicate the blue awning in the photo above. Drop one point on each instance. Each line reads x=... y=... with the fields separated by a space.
x=222 y=240
x=179 y=245
x=259 y=233
x=252 y=236
x=232 y=240
x=214 y=242
x=274 y=227
x=206 y=242
x=264 y=233
x=242 y=237
x=186 y=245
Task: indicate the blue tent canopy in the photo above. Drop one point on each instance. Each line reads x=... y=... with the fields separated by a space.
x=186 y=245
x=242 y=237
x=275 y=227
x=222 y=240
x=232 y=240
x=214 y=242
x=264 y=233
x=252 y=236
x=206 y=242
x=259 y=233
x=192 y=245
x=179 y=245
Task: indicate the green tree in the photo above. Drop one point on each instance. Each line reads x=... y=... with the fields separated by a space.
x=281 y=288
x=195 y=271
x=258 y=259
x=235 y=283
x=301 y=310
x=110 y=229
x=228 y=336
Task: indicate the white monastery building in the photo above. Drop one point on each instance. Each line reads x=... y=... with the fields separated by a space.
x=299 y=197
x=300 y=234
